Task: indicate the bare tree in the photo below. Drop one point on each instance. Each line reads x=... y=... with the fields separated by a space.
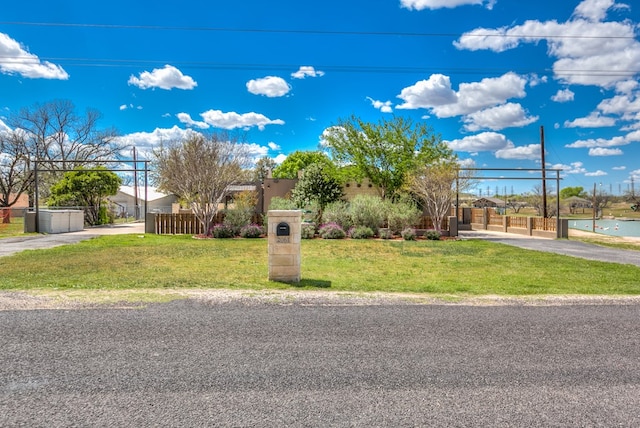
x=52 y=134
x=435 y=185
x=200 y=171
x=535 y=200
x=14 y=167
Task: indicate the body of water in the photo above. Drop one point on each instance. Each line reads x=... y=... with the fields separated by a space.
x=608 y=227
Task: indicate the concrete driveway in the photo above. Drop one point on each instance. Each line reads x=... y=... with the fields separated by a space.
x=566 y=247
x=9 y=246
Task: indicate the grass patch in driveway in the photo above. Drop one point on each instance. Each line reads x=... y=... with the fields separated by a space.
x=129 y=262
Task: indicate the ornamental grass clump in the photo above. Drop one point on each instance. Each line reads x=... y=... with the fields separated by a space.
x=409 y=234
x=308 y=231
x=338 y=212
x=432 y=235
x=361 y=232
x=367 y=210
x=223 y=231
x=385 y=233
x=251 y=231
x=332 y=231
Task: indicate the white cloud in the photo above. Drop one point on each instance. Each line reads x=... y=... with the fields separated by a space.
x=167 y=78
x=597 y=173
x=610 y=54
x=270 y=86
x=631 y=137
x=593 y=10
x=280 y=158
x=233 y=120
x=307 y=71
x=563 y=96
x=439 y=4
x=273 y=146
x=4 y=127
x=626 y=106
x=594 y=120
x=436 y=94
x=573 y=168
x=256 y=151
x=15 y=59
x=510 y=115
x=186 y=119
x=428 y=93
x=619 y=168
x=383 y=106
x=529 y=152
x=486 y=141
x=467 y=163
x=626 y=87
x=145 y=141
x=635 y=174
x=129 y=106
x=600 y=151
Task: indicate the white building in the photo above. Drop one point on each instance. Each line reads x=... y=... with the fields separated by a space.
x=125 y=201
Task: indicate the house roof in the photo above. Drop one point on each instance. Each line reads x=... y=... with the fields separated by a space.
x=152 y=193
x=576 y=199
x=496 y=201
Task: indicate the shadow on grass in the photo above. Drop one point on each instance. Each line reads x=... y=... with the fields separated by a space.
x=308 y=283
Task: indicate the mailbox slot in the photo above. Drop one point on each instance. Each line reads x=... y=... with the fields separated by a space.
x=283 y=229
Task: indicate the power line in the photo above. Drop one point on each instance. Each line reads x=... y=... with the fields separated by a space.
x=122 y=63
x=300 y=31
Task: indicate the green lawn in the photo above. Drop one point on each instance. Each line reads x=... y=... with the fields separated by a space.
x=15 y=228
x=437 y=267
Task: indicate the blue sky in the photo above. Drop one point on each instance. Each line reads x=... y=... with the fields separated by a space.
x=485 y=74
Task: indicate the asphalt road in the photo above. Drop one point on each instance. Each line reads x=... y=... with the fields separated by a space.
x=192 y=363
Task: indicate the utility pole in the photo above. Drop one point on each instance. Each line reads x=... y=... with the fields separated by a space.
x=593 y=227
x=135 y=185
x=544 y=175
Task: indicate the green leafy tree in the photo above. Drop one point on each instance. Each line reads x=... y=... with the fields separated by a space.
x=316 y=186
x=262 y=168
x=569 y=192
x=386 y=151
x=86 y=188
x=299 y=160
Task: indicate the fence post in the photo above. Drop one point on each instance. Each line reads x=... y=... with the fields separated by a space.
x=485 y=218
x=505 y=223
x=530 y=225
x=150 y=223
x=453 y=226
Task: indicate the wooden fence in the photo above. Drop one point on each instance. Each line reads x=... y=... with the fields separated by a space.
x=488 y=219
x=480 y=218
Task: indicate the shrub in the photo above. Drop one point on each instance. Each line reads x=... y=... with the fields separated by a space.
x=338 y=212
x=360 y=232
x=308 y=231
x=367 y=210
x=251 y=231
x=223 y=231
x=401 y=215
x=433 y=235
x=237 y=219
x=409 y=234
x=385 y=233
x=331 y=231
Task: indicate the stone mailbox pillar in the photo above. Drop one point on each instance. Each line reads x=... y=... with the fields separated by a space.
x=284 y=236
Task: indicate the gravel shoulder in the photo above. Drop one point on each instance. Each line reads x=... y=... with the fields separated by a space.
x=133 y=299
